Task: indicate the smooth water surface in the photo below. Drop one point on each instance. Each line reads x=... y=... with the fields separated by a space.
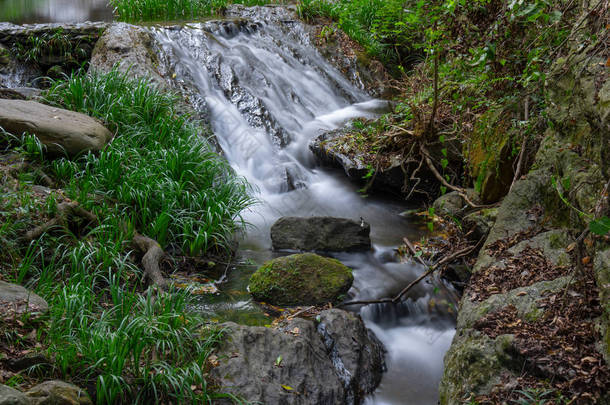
x=54 y=11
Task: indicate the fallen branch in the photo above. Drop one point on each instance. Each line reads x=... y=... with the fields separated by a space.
x=431 y=269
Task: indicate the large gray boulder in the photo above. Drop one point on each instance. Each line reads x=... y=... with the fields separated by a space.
x=128 y=48
x=301 y=279
x=63 y=132
x=320 y=234
x=58 y=393
x=15 y=299
x=10 y=396
x=331 y=362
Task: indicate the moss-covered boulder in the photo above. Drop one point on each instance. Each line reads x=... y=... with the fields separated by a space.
x=301 y=279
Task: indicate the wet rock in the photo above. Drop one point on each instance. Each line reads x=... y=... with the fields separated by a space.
x=301 y=279
x=61 y=131
x=87 y=32
x=320 y=234
x=329 y=152
x=13 y=73
x=15 y=299
x=58 y=393
x=352 y=60
x=453 y=204
x=128 y=48
x=10 y=396
x=335 y=362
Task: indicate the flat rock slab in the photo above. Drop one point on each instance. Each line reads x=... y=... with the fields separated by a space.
x=63 y=132
x=15 y=299
x=335 y=361
x=320 y=234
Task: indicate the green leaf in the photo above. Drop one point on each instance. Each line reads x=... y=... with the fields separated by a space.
x=600 y=226
x=444 y=163
x=278 y=361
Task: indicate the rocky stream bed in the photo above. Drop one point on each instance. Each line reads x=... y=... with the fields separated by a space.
x=534 y=310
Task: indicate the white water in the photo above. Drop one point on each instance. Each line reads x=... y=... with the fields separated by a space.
x=269 y=93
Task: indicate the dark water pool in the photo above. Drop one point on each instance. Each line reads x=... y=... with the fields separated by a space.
x=60 y=11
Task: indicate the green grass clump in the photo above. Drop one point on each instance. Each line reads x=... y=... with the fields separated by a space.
x=159 y=174
x=173 y=10
x=386 y=29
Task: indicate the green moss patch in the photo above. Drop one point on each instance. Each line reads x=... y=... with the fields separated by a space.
x=301 y=279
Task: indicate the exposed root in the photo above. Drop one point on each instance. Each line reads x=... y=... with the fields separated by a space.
x=66 y=211
x=153 y=253
x=25 y=166
x=69 y=211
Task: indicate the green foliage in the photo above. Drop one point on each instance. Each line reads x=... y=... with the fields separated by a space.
x=162 y=177
x=159 y=176
x=47 y=44
x=600 y=226
x=173 y=10
x=383 y=27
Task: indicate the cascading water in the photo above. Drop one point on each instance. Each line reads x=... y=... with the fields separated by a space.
x=268 y=93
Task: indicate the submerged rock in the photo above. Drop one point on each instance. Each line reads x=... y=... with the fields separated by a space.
x=15 y=299
x=301 y=279
x=333 y=361
x=63 y=132
x=58 y=393
x=320 y=234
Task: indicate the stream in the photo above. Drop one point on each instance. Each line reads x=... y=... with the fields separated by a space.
x=269 y=93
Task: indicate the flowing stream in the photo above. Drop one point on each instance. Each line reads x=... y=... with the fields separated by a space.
x=268 y=92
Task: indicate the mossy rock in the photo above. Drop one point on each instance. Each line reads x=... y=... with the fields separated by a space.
x=301 y=279
x=490 y=156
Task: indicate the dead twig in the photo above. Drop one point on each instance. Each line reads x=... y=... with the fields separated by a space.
x=431 y=269
x=459 y=190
